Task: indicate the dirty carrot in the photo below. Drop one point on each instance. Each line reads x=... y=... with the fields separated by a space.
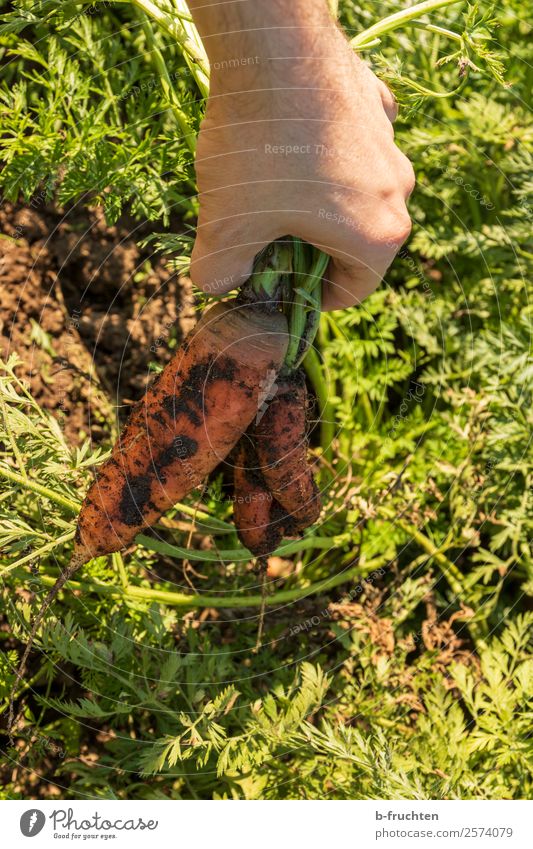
x=260 y=520
x=188 y=421
x=281 y=443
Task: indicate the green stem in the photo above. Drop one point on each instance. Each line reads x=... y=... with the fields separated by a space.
x=367 y=407
x=305 y=310
x=448 y=33
x=186 y=130
x=449 y=569
x=238 y=555
x=198 y=61
x=430 y=92
x=203 y=517
x=397 y=20
x=323 y=391
x=13 y=442
x=44 y=549
x=74 y=506
x=118 y=563
x=450 y=572
x=181 y=31
x=39 y=489
x=159 y=14
x=270 y=270
x=174 y=599
x=367 y=45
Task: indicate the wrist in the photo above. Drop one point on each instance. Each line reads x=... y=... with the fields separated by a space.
x=253 y=44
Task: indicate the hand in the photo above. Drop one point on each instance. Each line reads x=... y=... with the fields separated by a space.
x=301 y=147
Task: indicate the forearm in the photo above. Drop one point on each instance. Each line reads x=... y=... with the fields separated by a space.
x=255 y=38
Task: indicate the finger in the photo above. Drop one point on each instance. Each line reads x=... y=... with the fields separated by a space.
x=221 y=260
x=390 y=104
x=345 y=286
x=360 y=258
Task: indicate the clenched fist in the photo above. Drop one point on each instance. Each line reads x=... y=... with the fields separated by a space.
x=297 y=140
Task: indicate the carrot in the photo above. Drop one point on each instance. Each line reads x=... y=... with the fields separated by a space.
x=188 y=421
x=281 y=442
x=190 y=418
x=260 y=520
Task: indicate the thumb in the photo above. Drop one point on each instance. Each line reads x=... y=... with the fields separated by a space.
x=219 y=263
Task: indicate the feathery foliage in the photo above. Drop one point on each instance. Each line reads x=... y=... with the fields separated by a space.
x=396 y=660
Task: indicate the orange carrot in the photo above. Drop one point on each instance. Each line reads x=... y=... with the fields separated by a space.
x=281 y=442
x=260 y=520
x=188 y=421
x=190 y=418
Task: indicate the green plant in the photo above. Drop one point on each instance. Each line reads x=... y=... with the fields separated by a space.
x=395 y=659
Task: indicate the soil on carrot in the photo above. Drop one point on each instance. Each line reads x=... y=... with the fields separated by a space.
x=87 y=311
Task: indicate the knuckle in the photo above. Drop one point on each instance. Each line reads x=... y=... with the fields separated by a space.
x=400 y=223
x=392 y=228
x=400 y=226
x=409 y=175
x=406 y=227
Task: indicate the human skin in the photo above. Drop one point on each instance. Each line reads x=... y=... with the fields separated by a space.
x=297 y=139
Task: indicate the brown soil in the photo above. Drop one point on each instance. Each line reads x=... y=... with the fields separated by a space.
x=107 y=308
